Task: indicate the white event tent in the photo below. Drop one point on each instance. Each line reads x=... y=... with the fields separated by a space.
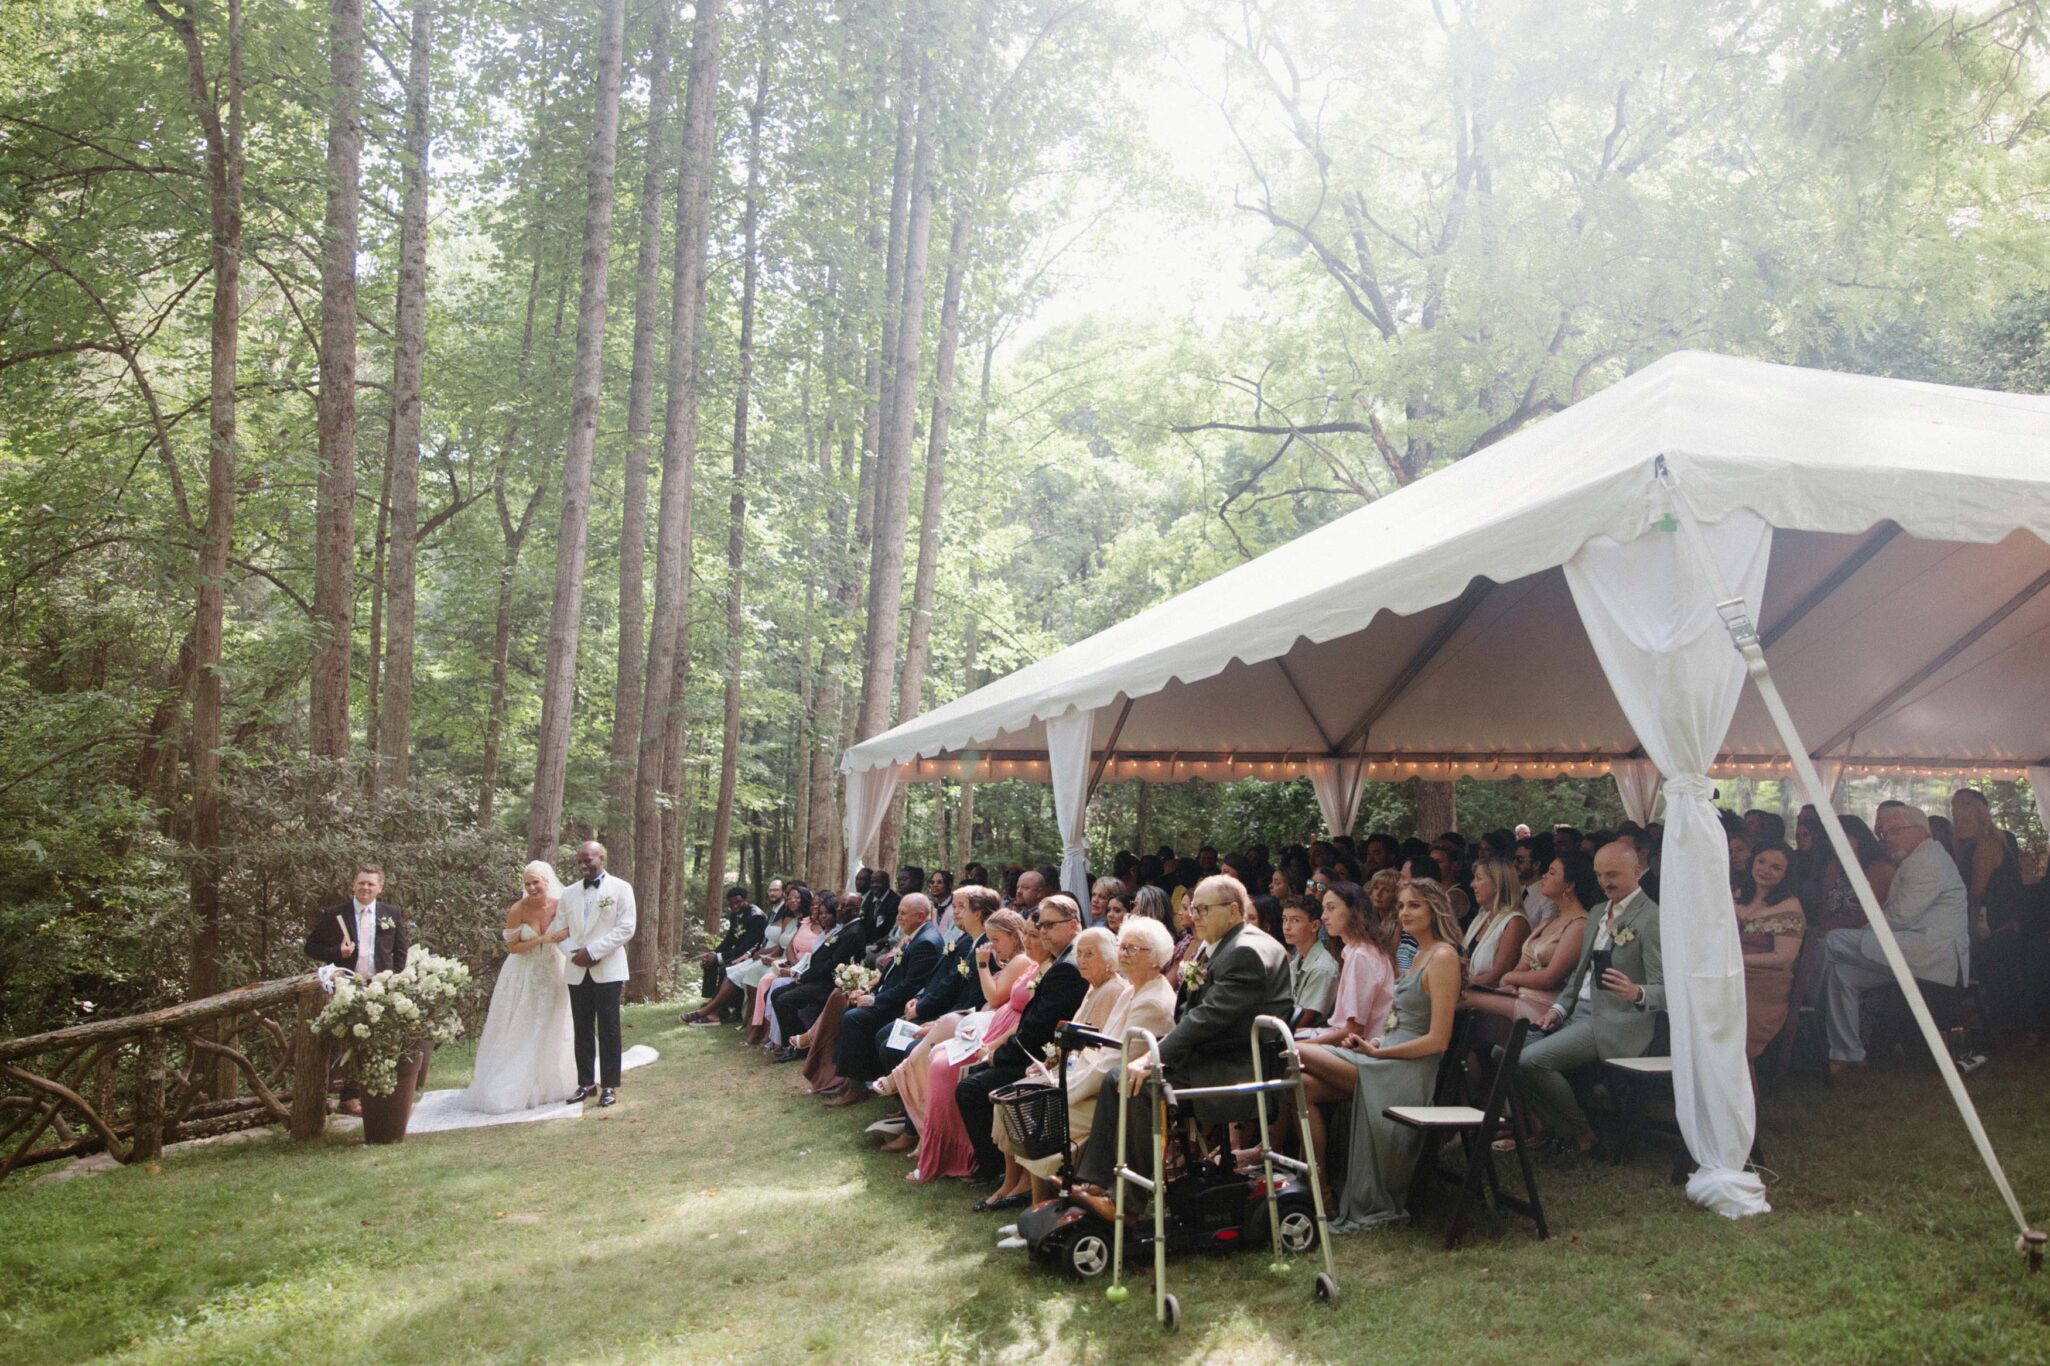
x=1890 y=540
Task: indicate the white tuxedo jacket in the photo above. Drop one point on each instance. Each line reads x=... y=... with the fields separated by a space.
x=600 y=921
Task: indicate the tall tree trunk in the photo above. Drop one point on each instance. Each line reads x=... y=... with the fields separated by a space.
x=640 y=406
x=893 y=482
x=334 y=561
x=373 y=655
x=660 y=754
x=558 y=688
x=964 y=818
x=395 y=714
x=1437 y=808
x=736 y=524
x=918 y=640
x=224 y=224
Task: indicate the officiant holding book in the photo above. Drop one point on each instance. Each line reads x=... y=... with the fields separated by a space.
x=366 y=935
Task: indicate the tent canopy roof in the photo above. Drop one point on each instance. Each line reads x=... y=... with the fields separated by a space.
x=1432 y=630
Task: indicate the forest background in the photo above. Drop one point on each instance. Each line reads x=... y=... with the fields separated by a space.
x=440 y=433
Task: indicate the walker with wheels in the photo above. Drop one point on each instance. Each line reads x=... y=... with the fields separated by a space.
x=1210 y=1206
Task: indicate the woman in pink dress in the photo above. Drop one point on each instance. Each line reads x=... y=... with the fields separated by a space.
x=945 y=1149
x=815 y=927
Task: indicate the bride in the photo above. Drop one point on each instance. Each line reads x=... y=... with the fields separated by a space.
x=523 y=1056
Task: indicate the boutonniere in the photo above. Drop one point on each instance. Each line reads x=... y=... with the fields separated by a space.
x=1031 y=987
x=962 y=967
x=385 y=922
x=1624 y=936
x=1195 y=975
x=1389 y=1025
x=1052 y=1053
x=606 y=901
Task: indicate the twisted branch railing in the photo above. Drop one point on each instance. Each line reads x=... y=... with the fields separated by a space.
x=248 y=1057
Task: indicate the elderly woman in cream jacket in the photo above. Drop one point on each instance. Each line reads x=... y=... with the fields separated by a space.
x=1144 y=951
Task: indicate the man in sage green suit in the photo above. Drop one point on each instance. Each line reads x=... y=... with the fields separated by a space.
x=1594 y=1021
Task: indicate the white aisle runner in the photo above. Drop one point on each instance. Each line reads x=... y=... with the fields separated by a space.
x=440 y=1110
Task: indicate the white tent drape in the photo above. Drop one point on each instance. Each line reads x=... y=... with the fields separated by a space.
x=1831 y=771
x=2039 y=783
x=1339 y=784
x=869 y=794
x=1067 y=762
x=1637 y=781
x=1667 y=657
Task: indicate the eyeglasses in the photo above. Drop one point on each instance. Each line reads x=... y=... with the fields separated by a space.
x=1043 y=920
x=1198 y=907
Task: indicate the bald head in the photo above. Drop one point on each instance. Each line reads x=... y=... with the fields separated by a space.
x=913 y=911
x=1031 y=889
x=1615 y=868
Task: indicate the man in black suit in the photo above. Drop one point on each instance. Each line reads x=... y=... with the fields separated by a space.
x=879 y=910
x=746 y=927
x=1245 y=976
x=1056 y=996
x=857 y=1056
x=365 y=934
x=798 y=1004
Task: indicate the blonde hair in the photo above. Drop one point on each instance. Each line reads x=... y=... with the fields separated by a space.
x=1444 y=924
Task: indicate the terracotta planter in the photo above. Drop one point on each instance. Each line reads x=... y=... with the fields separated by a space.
x=385 y=1117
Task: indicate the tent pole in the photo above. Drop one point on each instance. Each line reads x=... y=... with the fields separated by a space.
x=1463 y=607
x=1838 y=577
x=1110 y=750
x=1736 y=616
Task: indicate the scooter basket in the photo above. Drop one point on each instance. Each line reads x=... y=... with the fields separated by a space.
x=1035 y=1116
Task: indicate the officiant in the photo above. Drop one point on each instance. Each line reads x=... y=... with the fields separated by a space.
x=366 y=935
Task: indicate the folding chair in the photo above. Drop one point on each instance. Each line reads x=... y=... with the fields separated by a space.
x=1476 y=1131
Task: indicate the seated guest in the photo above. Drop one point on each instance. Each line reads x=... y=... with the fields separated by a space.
x=2004 y=915
x=1770 y=925
x=1053 y=996
x=944 y=1147
x=786 y=916
x=1740 y=850
x=1396 y=1064
x=879 y=910
x=1839 y=909
x=1927 y=909
x=1032 y=889
x=939 y=889
x=1211 y=1045
x=1116 y=909
x=1265 y=911
x=1365 y=943
x=1312 y=970
x=974 y=906
x=1100 y=893
x=858 y=1055
x=1096 y=958
x=1494 y=938
x=797 y=1006
x=746 y=927
x=1143 y=950
x=1594 y=1021
x=818 y=923
x=1527 y=991
x=1533 y=856
x=1281 y=884
x=953 y=990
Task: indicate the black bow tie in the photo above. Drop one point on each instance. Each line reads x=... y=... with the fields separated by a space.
x=594 y=881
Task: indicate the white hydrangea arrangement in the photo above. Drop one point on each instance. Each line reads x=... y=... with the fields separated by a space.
x=854 y=979
x=382 y=1021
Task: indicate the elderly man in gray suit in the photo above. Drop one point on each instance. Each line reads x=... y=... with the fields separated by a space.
x=1593 y=1022
x=1926 y=908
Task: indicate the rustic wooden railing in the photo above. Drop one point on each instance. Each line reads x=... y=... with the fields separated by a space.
x=130 y=1086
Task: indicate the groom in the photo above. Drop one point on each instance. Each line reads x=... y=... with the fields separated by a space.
x=598 y=911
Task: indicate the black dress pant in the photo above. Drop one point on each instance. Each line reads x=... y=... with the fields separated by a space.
x=978 y=1111
x=798 y=1005
x=594 y=1010
x=858 y=1055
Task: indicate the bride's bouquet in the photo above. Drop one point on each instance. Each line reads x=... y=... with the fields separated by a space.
x=384 y=1020
x=853 y=978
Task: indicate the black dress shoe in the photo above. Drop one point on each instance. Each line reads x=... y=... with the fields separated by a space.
x=787 y=1054
x=606 y=1097
x=582 y=1093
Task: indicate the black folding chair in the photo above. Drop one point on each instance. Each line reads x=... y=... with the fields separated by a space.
x=1476 y=1130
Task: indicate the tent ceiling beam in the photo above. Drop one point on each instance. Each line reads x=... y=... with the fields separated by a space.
x=1463 y=607
x=1289 y=677
x=1929 y=670
x=1110 y=750
x=1880 y=538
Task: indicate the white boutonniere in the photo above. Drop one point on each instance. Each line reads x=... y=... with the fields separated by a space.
x=1389 y=1025
x=385 y=922
x=962 y=967
x=1624 y=936
x=606 y=901
x=1195 y=975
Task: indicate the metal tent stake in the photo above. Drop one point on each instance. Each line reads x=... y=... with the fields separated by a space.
x=1736 y=618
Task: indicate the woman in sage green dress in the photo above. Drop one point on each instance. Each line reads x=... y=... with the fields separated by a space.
x=1399 y=1065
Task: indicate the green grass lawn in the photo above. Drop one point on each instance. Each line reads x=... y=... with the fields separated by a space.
x=718 y=1214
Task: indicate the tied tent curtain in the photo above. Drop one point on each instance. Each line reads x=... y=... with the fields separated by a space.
x=1339 y=784
x=869 y=794
x=1067 y=762
x=1637 y=782
x=1667 y=656
x=2039 y=783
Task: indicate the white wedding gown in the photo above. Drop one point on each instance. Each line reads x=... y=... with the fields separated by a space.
x=524 y=1056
